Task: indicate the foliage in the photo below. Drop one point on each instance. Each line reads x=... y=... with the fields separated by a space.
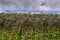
x=29 y=27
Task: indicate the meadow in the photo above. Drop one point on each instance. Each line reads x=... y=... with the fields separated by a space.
x=29 y=26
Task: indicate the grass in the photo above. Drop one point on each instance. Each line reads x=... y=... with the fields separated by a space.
x=29 y=27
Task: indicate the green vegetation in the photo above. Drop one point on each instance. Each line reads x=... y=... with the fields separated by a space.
x=29 y=27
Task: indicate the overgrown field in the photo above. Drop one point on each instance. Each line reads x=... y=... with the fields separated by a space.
x=29 y=27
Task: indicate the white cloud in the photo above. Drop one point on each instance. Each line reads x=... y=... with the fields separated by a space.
x=29 y=4
x=44 y=8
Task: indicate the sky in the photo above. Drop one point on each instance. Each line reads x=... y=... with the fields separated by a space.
x=30 y=5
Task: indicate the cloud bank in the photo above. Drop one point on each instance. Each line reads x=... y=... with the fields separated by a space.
x=30 y=5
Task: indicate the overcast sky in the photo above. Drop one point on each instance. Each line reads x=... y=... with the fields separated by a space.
x=30 y=5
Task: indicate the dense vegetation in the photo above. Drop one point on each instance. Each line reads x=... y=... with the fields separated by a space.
x=29 y=27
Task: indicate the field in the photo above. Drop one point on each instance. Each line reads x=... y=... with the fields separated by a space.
x=29 y=26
